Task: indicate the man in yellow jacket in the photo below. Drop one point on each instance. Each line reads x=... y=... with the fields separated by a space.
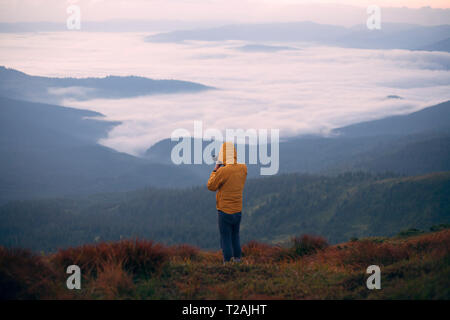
x=228 y=179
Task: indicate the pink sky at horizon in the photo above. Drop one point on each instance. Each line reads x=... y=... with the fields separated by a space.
x=237 y=10
x=444 y=4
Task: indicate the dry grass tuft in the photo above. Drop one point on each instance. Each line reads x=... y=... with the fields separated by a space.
x=112 y=282
x=24 y=275
x=137 y=257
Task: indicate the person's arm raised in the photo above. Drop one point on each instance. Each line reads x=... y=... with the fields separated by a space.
x=215 y=179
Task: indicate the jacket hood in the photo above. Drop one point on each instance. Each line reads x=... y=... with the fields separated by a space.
x=227 y=154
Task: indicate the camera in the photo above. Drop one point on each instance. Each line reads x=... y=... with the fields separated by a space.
x=216 y=159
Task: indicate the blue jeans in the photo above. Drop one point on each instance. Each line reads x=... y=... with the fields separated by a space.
x=229 y=234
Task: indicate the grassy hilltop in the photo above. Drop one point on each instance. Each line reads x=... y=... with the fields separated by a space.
x=414 y=265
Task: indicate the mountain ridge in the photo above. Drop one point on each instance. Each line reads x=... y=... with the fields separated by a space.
x=51 y=150
x=19 y=85
x=421 y=139
x=391 y=36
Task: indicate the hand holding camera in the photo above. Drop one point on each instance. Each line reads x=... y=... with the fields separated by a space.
x=218 y=163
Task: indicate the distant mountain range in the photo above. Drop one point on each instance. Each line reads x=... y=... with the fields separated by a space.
x=18 y=85
x=48 y=150
x=411 y=144
x=391 y=36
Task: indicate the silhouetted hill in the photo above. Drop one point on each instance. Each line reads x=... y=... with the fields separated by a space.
x=18 y=85
x=443 y=45
x=52 y=151
x=416 y=154
x=430 y=119
x=394 y=36
x=391 y=36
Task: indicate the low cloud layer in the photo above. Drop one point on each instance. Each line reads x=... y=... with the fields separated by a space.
x=309 y=90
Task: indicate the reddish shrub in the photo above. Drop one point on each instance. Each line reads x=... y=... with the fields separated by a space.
x=139 y=257
x=24 y=275
x=362 y=253
x=113 y=282
x=142 y=257
x=367 y=252
x=308 y=244
x=439 y=241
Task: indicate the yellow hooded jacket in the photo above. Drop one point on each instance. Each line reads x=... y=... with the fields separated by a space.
x=229 y=180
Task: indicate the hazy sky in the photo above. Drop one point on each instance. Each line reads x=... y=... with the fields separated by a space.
x=232 y=10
